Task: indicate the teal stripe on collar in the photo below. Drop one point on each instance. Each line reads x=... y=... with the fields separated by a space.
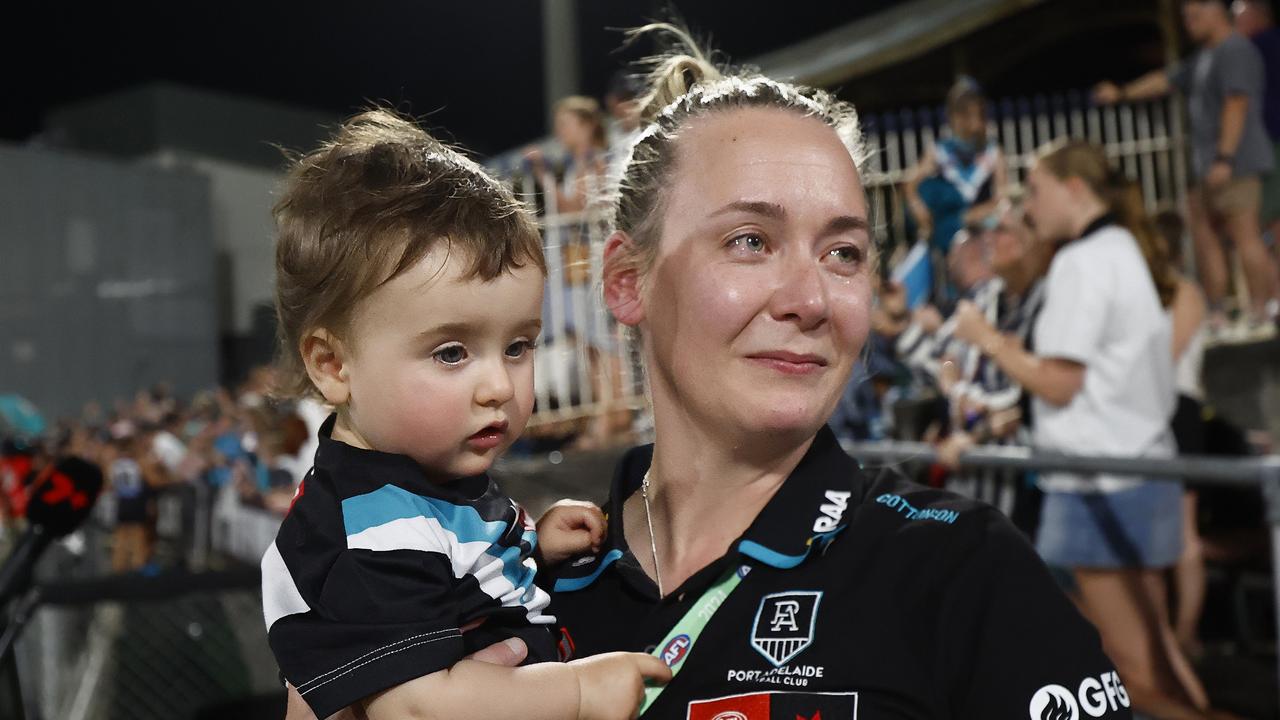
x=574 y=584
x=756 y=551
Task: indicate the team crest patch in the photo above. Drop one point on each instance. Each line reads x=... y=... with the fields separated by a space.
x=784 y=625
x=779 y=705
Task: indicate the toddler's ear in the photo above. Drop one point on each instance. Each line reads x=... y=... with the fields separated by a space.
x=324 y=356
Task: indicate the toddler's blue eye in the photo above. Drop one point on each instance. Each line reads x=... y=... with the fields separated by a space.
x=519 y=348
x=451 y=355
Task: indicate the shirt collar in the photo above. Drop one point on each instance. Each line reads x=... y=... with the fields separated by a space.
x=810 y=508
x=358 y=470
x=807 y=512
x=1100 y=222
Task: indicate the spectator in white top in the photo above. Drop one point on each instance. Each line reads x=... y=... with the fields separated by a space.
x=579 y=128
x=1102 y=384
x=169 y=448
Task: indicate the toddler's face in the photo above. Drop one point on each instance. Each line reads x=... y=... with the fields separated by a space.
x=442 y=367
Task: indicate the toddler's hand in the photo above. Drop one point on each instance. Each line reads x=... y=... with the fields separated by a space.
x=568 y=529
x=611 y=686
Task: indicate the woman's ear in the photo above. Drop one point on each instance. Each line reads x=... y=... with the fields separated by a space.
x=326 y=362
x=1078 y=188
x=622 y=280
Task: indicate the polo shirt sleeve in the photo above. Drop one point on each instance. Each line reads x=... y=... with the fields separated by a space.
x=1017 y=642
x=1075 y=309
x=347 y=623
x=1238 y=67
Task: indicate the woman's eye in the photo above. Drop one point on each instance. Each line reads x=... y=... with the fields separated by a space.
x=846 y=254
x=450 y=355
x=749 y=242
x=519 y=348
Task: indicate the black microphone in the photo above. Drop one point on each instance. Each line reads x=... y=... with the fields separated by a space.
x=59 y=501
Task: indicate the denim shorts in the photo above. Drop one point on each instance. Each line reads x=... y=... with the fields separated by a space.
x=1140 y=527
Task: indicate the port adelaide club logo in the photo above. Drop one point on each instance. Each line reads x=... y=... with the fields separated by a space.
x=784 y=625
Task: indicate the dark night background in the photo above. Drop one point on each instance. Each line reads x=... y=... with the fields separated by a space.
x=475 y=67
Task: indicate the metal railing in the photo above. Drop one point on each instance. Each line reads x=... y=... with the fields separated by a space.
x=1261 y=472
x=179 y=640
x=588 y=365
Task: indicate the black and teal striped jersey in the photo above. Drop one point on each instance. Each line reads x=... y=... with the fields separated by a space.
x=379 y=576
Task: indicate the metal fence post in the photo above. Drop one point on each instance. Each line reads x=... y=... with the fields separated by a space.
x=1271 y=494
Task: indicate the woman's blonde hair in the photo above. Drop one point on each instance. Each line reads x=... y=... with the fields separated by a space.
x=685 y=84
x=1123 y=197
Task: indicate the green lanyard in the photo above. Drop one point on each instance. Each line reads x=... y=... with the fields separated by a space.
x=678 y=643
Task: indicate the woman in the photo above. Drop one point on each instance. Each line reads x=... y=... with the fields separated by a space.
x=1189 y=316
x=960 y=180
x=1102 y=383
x=988 y=405
x=744 y=547
x=579 y=127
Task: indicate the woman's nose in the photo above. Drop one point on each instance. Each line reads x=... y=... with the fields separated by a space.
x=800 y=295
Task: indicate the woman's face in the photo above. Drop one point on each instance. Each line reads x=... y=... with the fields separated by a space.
x=969 y=122
x=1050 y=205
x=572 y=131
x=757 y=303
x=1010 y=240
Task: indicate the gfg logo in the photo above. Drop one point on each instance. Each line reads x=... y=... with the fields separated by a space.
x=1054 y=702
x=1096 y=696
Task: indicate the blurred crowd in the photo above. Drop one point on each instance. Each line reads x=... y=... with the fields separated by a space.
x=236 y=443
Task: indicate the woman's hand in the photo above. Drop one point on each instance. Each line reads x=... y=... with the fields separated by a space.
x=928 y=318
x=1107 y=93
x=1004 y=423
x=952 y=447
x=924 y=219
x=971 y=325
x=537 y=162
x=1219 y=174
x=568 y=529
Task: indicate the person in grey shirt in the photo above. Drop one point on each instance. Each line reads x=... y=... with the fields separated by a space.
x=1256 y=21
x=1230 y=152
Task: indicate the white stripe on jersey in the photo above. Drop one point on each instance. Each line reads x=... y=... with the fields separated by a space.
x=426 y=534
x=280 y=596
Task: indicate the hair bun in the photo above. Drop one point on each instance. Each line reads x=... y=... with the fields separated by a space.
x=673 y=72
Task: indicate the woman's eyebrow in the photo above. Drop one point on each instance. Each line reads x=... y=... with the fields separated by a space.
x=774 y=211
x=846 y=223
x=770 y=210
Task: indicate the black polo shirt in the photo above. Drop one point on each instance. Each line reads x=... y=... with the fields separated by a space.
x=868 y=597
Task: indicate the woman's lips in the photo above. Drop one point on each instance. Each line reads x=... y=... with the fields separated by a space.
x=789 y=363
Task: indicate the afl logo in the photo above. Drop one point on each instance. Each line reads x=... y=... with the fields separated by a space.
x=730 y=715
x=675 y=650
